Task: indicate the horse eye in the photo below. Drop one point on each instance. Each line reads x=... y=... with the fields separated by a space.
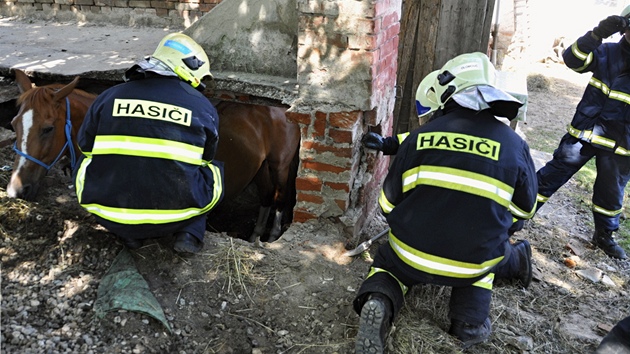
x=47 y=130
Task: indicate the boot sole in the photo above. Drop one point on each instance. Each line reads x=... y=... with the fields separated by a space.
x=369 y=339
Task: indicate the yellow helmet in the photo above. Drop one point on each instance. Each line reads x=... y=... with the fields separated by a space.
x=426 y=99
x=461 y=72
x=184 y=57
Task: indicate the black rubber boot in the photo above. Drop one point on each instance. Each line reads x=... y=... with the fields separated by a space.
x=605 y=240
x=187 y=243
x=132 y=243
x=376 y=320
x=523 y=250
x=468 y=334
x=613 y=344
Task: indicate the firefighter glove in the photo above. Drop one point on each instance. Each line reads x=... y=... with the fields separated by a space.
x=373 y=141
x=610 y=25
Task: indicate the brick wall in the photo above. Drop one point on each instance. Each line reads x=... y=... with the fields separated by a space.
x=176 y=13
x=337 y=178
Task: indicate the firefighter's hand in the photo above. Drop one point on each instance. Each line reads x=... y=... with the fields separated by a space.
x=373 y=141
x=610 y=25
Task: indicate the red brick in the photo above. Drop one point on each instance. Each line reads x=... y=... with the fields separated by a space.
x=310 y=198
x=323 y=167
x=319 y=128
x=342 y=204
x=344 y=119
x=301 y=215
x=341 y=136
x=308 y=183
x=320 y=147
x=338 y=186
x=303 y=118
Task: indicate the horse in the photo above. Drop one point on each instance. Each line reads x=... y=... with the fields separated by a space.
x=45 y=126
x=257 y=144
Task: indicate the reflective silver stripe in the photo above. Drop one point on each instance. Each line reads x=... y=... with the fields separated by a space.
x=460 y=180
x=374 y=270
x=485 y=282
x=386 y=206
x=516 y=211
x=154 y=216
x=597 y=140
x=586 y=58
x=439 y=265
x=147 y=147
x=606 y=212
x=577 y=52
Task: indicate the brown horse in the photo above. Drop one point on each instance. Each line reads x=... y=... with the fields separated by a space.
x=256 y=143
x=45 y=126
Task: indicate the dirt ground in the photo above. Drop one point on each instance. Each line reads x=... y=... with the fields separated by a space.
x=294 y=295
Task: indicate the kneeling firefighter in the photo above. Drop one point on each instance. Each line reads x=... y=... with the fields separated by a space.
x=450 y=197
x=149 y=145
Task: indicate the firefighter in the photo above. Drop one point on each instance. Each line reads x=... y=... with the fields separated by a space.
x=449 y=199
x=148 y=147
x=600 y=128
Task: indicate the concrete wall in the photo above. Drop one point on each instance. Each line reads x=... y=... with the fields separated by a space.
x=250 y=36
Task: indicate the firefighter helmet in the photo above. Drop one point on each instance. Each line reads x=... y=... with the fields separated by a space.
x=461 y=72
x=426 y=99
x=184 y=57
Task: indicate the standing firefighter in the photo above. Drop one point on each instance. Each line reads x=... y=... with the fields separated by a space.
x=149 y=145
x=600 y=128
x=449 y=198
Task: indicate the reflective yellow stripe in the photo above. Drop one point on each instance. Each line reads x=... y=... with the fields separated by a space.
x=599 y=85
x=80 y=179
x=619 y=96
x=386 y=206
x=586 y=58
x=515 y=210
x=438 y=265
x=541 y=198
x=460 y=180
x=485 y=282
x=374 y=270
x=621 y=151
x=606 y=212
x=401 y=137
x=147 y=147
x=153 y=216
x=597 y=140
x=577 y=52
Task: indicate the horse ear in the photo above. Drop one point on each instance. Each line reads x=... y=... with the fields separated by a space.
x=65 y=91
x=22 y=80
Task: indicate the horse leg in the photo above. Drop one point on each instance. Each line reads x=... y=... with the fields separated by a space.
x=265 y=195
x=283 y=177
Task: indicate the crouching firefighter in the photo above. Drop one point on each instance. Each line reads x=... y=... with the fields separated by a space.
x=449 y=198
x=149 y=145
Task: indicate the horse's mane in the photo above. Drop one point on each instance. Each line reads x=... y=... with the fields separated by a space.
x=44 y=94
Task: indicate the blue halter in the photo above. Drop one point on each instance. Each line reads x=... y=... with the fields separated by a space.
x=68 y=131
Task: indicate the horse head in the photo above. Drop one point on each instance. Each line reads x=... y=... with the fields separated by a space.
x=45 y=128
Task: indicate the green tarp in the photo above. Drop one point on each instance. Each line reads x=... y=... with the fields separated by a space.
x=123 y=288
